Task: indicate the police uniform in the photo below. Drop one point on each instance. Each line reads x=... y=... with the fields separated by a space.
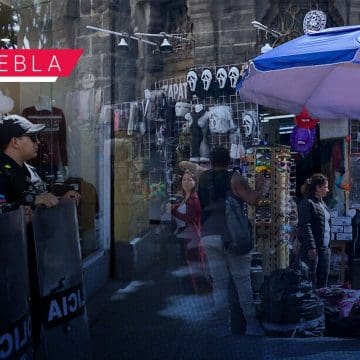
x=18 y=184
x=16 y=189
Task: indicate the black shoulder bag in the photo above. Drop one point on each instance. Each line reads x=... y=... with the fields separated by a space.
x=239 y=239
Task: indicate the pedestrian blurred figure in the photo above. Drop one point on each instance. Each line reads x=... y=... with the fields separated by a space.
x=314 y=229
x=214 y=185
x=187 y=214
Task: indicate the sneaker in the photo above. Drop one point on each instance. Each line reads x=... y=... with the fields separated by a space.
x=254 y=330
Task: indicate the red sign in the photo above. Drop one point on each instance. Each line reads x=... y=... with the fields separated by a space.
x=51 y=63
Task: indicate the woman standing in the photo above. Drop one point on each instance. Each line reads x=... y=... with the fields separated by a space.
x=188 y=213
x=314 y=229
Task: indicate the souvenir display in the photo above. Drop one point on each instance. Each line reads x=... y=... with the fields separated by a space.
x=220 y=119
x=273 y=219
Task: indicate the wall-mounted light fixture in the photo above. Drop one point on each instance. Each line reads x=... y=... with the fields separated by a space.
x=165 y=46
x=122 y=45
x=258 y=25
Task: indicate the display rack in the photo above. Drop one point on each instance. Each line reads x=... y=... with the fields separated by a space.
x=272 y=220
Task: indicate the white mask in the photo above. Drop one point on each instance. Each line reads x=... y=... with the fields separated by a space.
x=221 y=77
x=206 y=78
x=234 y=75
x=192 y=79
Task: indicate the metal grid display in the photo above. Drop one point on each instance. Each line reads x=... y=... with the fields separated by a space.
x=355 y=136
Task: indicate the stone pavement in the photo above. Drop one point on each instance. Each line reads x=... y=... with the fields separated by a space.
x=156 y=317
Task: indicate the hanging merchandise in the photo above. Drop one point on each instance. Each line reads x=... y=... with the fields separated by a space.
x=209 y=84
x=304 y=120
x=271 y=219
x=235 y=78
x=223 y=81
x=203 y=123
x=198 y=125
x=182 y=108
x=249 y=123
x=302 y=140
x=220 y=119
x=193 y=83
x=237 y=149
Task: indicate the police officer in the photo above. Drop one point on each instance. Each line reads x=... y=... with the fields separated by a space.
x=19 y=182
x=20 y=185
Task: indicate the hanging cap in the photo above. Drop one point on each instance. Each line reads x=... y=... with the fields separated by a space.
x=304 y=120
x=16 y=126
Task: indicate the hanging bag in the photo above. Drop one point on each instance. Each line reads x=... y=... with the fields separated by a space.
x=239 y=239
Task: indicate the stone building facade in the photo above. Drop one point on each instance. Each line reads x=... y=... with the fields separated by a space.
x=221 y=31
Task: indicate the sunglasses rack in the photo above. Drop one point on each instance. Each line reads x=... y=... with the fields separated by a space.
x=270 y=171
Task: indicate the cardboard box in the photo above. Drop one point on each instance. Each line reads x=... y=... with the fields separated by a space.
x=347 y=229
x=337 y=229
x=344 y=236
x=341 y=220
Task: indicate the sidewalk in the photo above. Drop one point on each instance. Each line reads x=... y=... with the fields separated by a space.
x=152 y=318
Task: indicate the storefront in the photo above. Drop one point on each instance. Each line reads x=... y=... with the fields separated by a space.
x=71 y=150
x=119 y=144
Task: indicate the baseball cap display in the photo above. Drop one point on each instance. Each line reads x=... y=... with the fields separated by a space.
x=16 y=126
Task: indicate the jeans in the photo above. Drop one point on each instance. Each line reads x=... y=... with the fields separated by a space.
x=319 y=267
x=222 y=265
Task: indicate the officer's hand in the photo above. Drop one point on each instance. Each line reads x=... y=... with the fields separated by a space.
x=73 y=194
x=28 y=214
x=46 y=199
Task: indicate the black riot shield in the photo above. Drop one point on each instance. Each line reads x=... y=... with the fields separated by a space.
x=15 y=319
x=64 y=329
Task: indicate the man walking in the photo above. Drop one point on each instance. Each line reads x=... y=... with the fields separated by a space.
x=214 y=185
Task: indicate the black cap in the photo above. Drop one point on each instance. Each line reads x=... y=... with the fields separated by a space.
x=16 y=126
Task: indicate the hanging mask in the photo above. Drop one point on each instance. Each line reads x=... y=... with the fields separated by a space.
x=221 y=77
x=192 y=80
x=234 y=76
x=249 y=124
x=206 y=78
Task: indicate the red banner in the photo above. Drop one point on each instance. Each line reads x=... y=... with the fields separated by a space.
x=38 y=62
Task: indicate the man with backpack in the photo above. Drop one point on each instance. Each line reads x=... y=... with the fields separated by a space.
x=215 y=185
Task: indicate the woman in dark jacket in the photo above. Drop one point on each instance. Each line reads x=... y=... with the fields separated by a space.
x=188 y=214
x=314 y=229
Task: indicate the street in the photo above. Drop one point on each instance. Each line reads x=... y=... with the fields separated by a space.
x=155 y=318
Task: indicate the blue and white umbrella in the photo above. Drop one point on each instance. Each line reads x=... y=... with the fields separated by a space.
x=319 y=71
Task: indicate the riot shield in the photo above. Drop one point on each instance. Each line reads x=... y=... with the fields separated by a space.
x=15 y=319
x=64 y=323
